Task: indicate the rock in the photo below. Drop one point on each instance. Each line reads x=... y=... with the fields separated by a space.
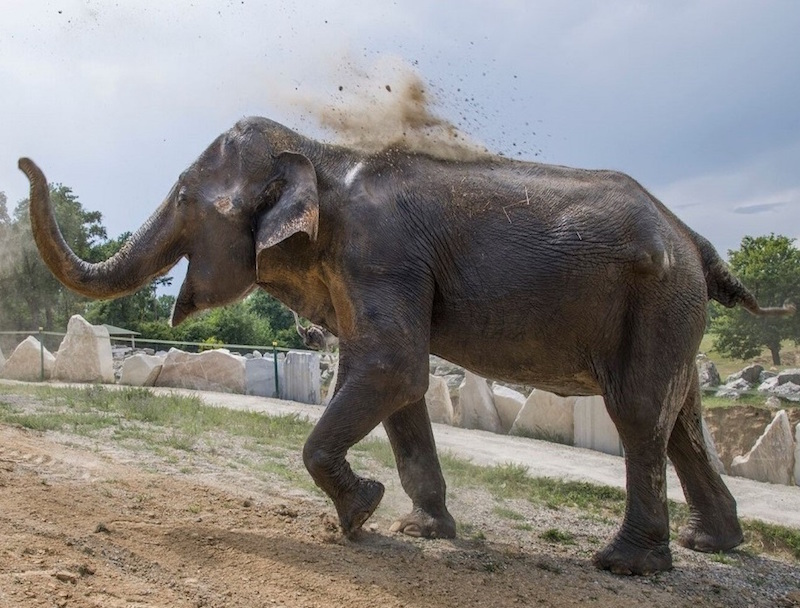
x=301 y=380
x=332 y=384
x=437 y=398
x=768 y=385
x=85 y=354
x=443 y=367
x=771 y=459
x=713 y=455
x=260 y=376
x=797 y=454
x=773 y=402
x=789 y=375
x=788 y=391
x=25 y=363
x=709 y=376
x=593 y=427
x=765 y=375
x=733 y=388
x=141 y=370
x=212 y=370
x=2 y=360
x=749 y=374
x=475 y=409
x=508 y=404
x=546 y=416
x=453 y=383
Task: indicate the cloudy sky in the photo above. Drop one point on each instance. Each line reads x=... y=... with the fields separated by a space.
x=699 y=100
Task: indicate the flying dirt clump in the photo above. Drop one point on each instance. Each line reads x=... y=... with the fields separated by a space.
x=389 y=106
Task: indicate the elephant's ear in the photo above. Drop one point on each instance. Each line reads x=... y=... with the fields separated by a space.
x=297 y=207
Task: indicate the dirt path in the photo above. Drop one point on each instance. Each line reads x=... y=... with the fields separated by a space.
x=86 y=523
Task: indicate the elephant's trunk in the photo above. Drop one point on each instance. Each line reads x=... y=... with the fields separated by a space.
x=150 y=252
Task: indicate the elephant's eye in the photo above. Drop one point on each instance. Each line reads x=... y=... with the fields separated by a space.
x=182 y=196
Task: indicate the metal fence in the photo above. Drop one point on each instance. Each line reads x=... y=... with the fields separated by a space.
x=51 y=340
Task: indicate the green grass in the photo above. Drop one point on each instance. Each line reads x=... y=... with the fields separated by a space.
x=790 y=354
x=554 y=535
x=184 y=420
x=513 y=481
x=182 y=423
x=506 y=513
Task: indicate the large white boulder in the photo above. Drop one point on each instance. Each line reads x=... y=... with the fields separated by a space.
x=475 y=409
x=260 y=376
x=771 y=458
x=85 y=354
x=141 y=370
x=212 y=370
x=711 y=448
x=508 y=404
x=301 y=377
x=546 y=416
x=593 y=426
x=332 y=383
x=797 y=454
x=437 y=398
x=26 y=362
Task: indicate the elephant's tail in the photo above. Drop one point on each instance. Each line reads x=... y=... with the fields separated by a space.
x=727 y=289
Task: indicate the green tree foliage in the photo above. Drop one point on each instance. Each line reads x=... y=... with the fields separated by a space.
x=29 y=294
x=280 y=318
x=770 y=268
x=130 y=311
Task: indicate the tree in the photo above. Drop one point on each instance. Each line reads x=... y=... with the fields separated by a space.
x=30 y=296
x=130 y=311
x=770 y=268
x=281 y=319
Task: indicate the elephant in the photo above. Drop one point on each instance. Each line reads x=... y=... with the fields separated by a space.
x=575 y=281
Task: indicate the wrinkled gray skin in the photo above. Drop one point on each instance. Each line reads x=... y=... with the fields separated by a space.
x=577 y=282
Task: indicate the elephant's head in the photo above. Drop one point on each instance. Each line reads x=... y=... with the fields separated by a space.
x=250 y=189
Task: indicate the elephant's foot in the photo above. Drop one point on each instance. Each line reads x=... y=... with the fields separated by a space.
x=723 y=534
x=355 y=507
x=421 y=524
x=622 y=557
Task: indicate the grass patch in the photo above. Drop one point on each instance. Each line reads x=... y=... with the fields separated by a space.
x=513 y=481
x=86 y=410
x=507 y=513
x=790 y=356
x=554 y=535
x=770 y=538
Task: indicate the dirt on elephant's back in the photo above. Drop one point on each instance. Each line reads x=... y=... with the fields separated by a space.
x=735 y=429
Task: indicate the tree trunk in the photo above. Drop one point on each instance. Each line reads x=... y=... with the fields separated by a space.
x=775 y=349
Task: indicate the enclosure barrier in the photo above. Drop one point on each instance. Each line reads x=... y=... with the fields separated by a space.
x=132 y=340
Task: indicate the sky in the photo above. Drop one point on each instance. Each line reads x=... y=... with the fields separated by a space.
x=698 y=100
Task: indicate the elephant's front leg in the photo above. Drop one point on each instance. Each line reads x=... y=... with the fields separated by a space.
x=411 y=436
x=371 y=389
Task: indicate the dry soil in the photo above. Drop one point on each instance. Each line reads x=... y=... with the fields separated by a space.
x=89 y=522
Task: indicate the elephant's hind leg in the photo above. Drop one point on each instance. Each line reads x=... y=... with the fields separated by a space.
x=643 y=401
x=411 y=436
x=713 y=524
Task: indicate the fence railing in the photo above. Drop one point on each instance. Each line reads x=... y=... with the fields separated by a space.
x=138 y=340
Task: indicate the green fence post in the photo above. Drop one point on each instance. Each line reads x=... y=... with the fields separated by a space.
x=275 y=363
x=41 y=355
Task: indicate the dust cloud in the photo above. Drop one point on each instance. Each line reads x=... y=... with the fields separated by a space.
x=386 y=105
